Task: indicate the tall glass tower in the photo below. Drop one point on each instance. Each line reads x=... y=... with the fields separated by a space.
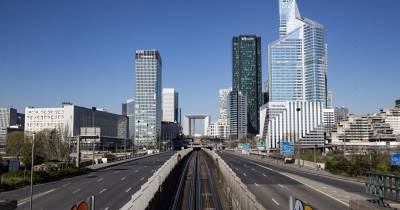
x=298 y=59
x=246 y=74
x=148 y=97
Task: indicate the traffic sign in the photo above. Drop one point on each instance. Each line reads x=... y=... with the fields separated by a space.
x=287 y=149
x=395 y=159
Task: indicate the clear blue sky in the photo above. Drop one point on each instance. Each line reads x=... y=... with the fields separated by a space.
x=83 y=51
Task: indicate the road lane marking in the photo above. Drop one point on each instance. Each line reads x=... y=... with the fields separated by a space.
x=107 y=208
x=320 y=191
x=141 y=179
x=129 y=189
x=136 y=171
x=252 y=169
x=275 y=202
x=264 y=175
x=116 y=172
x=23 y=201
x=99 y=180
x=255 y=183
x=244 y=174
x=280 y=185
x=123 y=178
x=237 y=169
x=103 y=190
x=76 y=191
x=64 y=185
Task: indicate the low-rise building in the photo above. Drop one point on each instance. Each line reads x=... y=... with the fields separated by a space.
x=69 y=119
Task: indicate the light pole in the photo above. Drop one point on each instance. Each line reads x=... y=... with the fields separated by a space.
x=33 y=148
x=298 y=137
x=94 y=132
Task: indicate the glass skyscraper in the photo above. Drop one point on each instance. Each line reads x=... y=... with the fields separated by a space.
x=246 y=74
x=298 y=59
x=148 y=97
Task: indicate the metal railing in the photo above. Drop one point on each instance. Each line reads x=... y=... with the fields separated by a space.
x=384 y=186
x=141 y=199
x=238 y=194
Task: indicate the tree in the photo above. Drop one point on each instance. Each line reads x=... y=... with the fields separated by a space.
x=15 y=143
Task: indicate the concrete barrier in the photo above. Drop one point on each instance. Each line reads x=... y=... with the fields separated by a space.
x=238 y=194
x=141 y=199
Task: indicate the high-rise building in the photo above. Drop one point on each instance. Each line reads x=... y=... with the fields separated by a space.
x=130 y=112
x=170 y=103
x=124 y=109
x=8 y=117
x=298 y=59
x=237 y=115
x=341 y=113
x=148 y=110
x=223 y=105
x=397 y=103
x=246 y=76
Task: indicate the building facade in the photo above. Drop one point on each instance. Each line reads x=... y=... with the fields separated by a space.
x=130 y=113
x=170 y=105
x=70 y=119
x=223 y=105
x=237 y=115
x=294 y=121
x=247 y=76
x=170 y=130
x=8 y=117
x=148 y=110
x=298 y=59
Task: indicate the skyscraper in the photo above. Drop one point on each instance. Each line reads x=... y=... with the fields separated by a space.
x=246 y=76
x=298 y=59
x=130 y=112
x=170 y=103
x=223 y=105
x=237 y=115
x=148 y=97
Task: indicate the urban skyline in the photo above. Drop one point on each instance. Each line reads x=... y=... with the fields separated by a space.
x=340 y=63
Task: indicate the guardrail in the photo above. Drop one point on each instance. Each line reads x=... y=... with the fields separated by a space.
x=141 y=199
x=238 y=194
x=384 y=186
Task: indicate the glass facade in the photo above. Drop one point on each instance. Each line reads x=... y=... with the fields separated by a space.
x=298 y=60
x=247 y=78
x=148 y=97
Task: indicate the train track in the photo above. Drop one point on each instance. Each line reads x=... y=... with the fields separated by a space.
x=196 y=190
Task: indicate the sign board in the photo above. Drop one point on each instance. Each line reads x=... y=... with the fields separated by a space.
x=297 y=204
x=287 y=149
x=395 y=159
x=240 y=145
x=246 y=146
x=260 y=144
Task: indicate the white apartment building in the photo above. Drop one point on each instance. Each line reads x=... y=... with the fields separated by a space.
x=38 y=119
x=170 y=103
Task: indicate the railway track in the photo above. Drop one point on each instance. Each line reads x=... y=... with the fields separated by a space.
x=196 y=190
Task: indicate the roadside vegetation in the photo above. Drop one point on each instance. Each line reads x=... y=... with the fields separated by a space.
x=51 y=158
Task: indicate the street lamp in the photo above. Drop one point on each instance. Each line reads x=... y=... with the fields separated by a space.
x=33 y=147
x=298 y=136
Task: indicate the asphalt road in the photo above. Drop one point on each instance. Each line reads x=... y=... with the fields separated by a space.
x=112 y=187
x=272 y=189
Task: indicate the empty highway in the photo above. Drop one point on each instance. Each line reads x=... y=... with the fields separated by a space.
x=272 y=186
x=112 y=187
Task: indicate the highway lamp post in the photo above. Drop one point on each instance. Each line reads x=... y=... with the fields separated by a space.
x=32 y=162
x=94 y=132
x=298 y=137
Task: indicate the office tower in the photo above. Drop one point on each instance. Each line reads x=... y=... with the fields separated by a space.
x=223 y=105
x=397 y=103
x=124 y=109
x=246 y=76
x=148 y=111
x=130 y=112
x=329 y=100
x=265 y=94
x=170 y=103
x=8 y=117
x=341 y=113
x=237 y=115
x=298 y=59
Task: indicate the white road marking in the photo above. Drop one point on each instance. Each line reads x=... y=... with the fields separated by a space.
x=103 y=190
x=237 y=169
x=320 y=191
x=264 y=175
x=255 y=183
x=280 y=185
x=141 y=179
x=107 y=208
x=129 y=189
x=252 y=169
x=99 y=180
x=64 y=185
x=23 y=201
x=123 y=178
x=76 y=191
x=244 y=174
x=116 y=172
x=136 y=171
x=275 y=202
